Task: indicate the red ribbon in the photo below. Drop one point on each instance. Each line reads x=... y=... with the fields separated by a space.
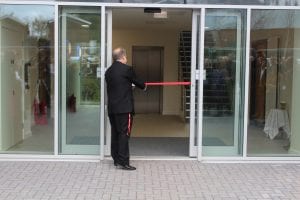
x=168 y=83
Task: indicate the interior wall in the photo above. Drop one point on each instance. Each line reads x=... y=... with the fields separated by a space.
x=11 y=90
x=168 y=39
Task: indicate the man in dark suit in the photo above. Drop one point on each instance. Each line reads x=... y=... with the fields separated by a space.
x=120 y=78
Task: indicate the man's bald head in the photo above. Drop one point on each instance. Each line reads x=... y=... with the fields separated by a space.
x=119 y=54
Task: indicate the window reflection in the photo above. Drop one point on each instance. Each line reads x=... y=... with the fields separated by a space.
x=80 y=80
x=27 y=74
x=222 y=99
x=273 y=76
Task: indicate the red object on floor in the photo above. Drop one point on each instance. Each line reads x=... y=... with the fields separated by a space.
x=168 y=83
x=40 y=112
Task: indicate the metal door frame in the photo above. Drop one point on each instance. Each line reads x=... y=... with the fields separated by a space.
x=70 y=148
x=237 y=91
x=192 y=131
x=195 y=135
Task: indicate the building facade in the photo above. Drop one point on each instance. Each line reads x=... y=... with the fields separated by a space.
x=236 y=66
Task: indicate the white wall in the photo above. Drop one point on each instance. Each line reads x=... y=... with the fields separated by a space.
x=11 y=90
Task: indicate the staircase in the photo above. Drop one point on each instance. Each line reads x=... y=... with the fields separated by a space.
x=184 y=64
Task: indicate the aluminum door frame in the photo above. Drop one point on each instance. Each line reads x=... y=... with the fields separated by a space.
x=193 y=133
x=63 y=85
x=106 y=133
x=201 y=90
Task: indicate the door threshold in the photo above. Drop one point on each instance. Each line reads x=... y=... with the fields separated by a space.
x=158 y=158
x=162 y=158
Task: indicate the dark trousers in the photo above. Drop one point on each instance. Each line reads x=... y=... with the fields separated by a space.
x=120 y=133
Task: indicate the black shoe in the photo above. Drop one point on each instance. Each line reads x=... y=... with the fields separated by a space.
x=127 y=167
x=115 y=163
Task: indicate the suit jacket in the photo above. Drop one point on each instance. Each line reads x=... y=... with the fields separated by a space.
x=119 y=79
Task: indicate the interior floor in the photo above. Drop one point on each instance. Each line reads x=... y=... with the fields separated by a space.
x=82 y=126
x=218 y=131
x=157 y=135
x=156 y=125
x=40 y=142
x=259 y=144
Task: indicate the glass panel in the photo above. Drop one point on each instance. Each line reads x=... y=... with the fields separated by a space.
x=213 y=2
x=27 y=79
x=133 y=1
x=274 y=115
x=223 y=64
x=108 y=1
x=154 y=1
x=247 y=2
x=80 y=80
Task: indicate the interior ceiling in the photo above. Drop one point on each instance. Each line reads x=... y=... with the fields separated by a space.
x=135 y=18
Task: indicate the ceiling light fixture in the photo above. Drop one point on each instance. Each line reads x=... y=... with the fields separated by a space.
x=85 y=25
x=162 y=15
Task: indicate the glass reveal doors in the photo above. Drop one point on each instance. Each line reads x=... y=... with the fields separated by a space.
x=80 y=80
x=223 y=65
x=217 y=48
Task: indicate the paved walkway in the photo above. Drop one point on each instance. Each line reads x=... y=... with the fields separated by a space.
x=152 y=180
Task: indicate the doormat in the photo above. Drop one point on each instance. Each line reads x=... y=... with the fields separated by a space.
x=212 y=141
x=85 y=140
x=159 y=146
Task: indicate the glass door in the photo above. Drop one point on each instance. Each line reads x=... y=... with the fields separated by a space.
x=223 y=65
x=80 y=80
